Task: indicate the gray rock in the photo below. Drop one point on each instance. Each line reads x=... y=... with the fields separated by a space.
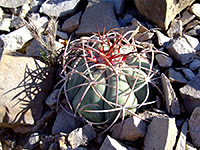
x=125 y=20
x=33 y=141
x=176 y=76
x=16 y=39
x=190 y=146
x=162 y=39
x=24 y=10
x=170 y=99
x=81 y=136
x=191 y=94
x=133 y=128
x=161 y=134
x=35 y=4
x=194 y=127
x=175 y=29
x=194 y=42
x=62 y=35
x=186 y=17
x=181 y=144
x=5 y=24
x=16 y=23
x=12 y=3
x=52 y=98
x=195 y=9
x=195 y=31
x=181 y=51
x=189 y=75
x=65 y=122
x=72 y=24
x=195 y=64
x=164 y=61
x=58 y=8
x=24 y=85
x=94 y=17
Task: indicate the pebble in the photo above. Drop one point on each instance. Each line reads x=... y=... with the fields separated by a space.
x=164 y=61
x=195 y=64
x=189 y=75
x=195 y=9
x=33 y=141
x=186 y=17
x=52 y=98
x=194 y=42
x=162 y=39
x=176 y=76
x=5 y=24
x=175 y=29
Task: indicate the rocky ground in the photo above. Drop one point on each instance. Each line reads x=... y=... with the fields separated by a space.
x=32 y=116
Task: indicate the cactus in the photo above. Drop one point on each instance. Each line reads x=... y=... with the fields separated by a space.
x=106 y=76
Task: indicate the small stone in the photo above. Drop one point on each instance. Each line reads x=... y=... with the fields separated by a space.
x=52 y=98
x=126 y=20
x=133 y=128
x=145 y=36
x=171 y=101
x=181 y=144
x=161 y=134
x=164 y=61
x=186 y=17
x=12 y=3
x=34 y=5
x=81 y=136
x=194 y=42
x=194 y=127
x=162 y=39
x=195 y=31
x=190 y=146
x=24 y=10
x=5 y=24
x=181 y=51
x=16 y=23
x=191 y=94
x=189 y=75
x=62 y=35
x=195 y=64
x=58 y=8
x=72 y=24
x=175 y=29
x=150 y=115
x=195 y=9
x=176 y=76
x=62 y=143
x=33 y=141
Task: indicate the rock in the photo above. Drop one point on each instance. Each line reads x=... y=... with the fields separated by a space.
x=12 y=3
x=194 y=127
x=195 y=9
x=194 y=42
x=72 y=24
x=16 y=23
x=194 y=31
x=133 y=128
x=162 y=39
x=65 y=122
x=150 y=115
x=52 y=98
x=33 y=141
x=191 y=94
x=62 y=35
x=1 y=13
x=181 y=51
x=175 y=29
x=170 y=100
x=112 y=144
x=24 y=10
x=24 y=85
x=94 y=17
x=16 y=39
x=176 y=76
x=161 y=134
x=186 y=17
x=5 y=24
x=62 y=143
x=190 y=146
x=181 y=144
x=81 y=136
x=164 y=61
x=34 y=5
x=58 y=8
x=163 y=11
x=127 y=19
x=189 y=75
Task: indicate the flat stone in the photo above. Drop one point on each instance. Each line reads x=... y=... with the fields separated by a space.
x=181 y=51
x=133 y=128
x=24 y=85
x=189 y=75
x=194 y=42
x=94 y=17
x=195 y=9
x=81 y=136
x=58 y=8
x=5 y=24
x=186 y=17
x=62 y=35
x=33 y=141
x=176 y=76
x=150 y=115
x=170 y=99
x=175 y=29
x=164 y=61
x=195 y=31
x=162 y=39
x=191 y=94
x=161 y=134
x=72 y=24
x=194 y=127
x=12 y=3
x=52 y=98
x=163 y=11
x=16 y=23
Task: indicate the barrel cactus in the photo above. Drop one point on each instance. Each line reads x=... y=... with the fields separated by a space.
x=106 y=76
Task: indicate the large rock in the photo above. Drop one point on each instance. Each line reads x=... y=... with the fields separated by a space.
x=58 y=8
x=24 y=85
x=94 y=17
x=161 y=134
x=191 y=94
x=12 y=3
x=163 y=12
